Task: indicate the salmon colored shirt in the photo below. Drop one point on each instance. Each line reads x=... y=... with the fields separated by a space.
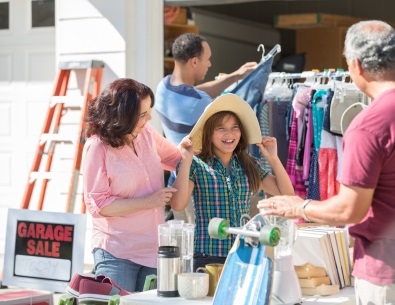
x=110 y=173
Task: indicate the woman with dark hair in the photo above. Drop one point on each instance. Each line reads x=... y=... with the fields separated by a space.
x=124 y=190
x=223 y=177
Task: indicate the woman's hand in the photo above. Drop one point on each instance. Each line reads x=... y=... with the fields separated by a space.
x=123 y=206
x=162 y=196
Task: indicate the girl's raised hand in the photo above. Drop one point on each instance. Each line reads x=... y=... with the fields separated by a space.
x=268 y=147
x=186 y=148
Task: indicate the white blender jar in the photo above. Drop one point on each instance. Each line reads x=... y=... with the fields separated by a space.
x=286 y=288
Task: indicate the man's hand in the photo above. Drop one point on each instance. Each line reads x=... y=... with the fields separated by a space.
x=246 y=69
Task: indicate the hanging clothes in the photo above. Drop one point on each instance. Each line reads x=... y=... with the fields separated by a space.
x=313 y=191
x=263 y=119
x=327 y=160
x=295 y=174
x=308 y=142
x=252 y=87
x=314 y=153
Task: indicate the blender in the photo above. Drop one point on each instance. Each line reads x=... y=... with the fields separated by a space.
x=180 y=234
x=286 y=288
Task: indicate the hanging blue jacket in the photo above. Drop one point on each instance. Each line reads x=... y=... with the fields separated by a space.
x=252 y=89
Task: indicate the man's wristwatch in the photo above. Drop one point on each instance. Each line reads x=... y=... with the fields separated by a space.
x=302 y=209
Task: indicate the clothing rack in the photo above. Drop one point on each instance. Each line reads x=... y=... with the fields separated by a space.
x=329 y=73
x=308 y=128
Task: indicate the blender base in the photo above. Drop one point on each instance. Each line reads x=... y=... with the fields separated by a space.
x=286 y=288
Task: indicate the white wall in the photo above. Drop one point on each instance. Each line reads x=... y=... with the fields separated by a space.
x=27 y=69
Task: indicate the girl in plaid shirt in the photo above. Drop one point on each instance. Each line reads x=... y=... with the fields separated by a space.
x=223 y=177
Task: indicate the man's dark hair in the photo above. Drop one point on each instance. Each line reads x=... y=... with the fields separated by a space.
x=187 y=46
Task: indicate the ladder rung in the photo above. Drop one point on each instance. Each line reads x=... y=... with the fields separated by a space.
x=68 y=101
x=84 y=64
x=47 y=175
x=42 y=175
x=58 y=137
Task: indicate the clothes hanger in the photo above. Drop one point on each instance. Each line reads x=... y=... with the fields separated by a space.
x=261 y=46
x=276 y=49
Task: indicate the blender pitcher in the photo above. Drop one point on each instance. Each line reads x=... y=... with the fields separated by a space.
x=176 y=232
x=179 y=234
x=170 y=233
x=187 y=249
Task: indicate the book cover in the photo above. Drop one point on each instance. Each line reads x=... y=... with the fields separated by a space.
x=314 y=247
x=336 y=250
x=341 y=236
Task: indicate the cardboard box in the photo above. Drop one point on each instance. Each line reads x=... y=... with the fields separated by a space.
x=323 y=47
x=25 y=297
x=172 y=31
x=312 y=20
x=182 y=17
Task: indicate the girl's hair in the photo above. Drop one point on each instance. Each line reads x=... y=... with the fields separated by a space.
x=114 y=114
x=207 y=152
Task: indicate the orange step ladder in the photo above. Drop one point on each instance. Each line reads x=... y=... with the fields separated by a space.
x=51 y=134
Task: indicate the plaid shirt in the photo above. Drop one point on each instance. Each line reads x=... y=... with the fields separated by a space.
x=218 y=193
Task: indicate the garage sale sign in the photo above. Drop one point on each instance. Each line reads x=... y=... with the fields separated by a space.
x=43 y=249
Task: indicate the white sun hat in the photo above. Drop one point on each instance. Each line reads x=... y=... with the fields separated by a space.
x=349 y=114
x=235 y=104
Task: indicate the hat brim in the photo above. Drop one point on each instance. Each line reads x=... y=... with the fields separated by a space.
x=235 y=104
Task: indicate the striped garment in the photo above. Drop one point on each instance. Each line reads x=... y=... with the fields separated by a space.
x=295 y=174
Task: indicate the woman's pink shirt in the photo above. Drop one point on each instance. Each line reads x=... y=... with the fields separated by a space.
x=110 y=173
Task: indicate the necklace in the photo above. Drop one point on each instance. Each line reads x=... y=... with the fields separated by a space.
x=131 y=145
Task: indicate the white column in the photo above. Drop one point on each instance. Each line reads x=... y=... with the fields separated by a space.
x=144 y=44
x=126 y=34
x=144 y=40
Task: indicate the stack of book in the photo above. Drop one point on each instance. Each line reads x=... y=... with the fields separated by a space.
x=326 y=247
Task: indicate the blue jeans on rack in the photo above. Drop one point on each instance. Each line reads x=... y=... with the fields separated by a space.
x=252 y=89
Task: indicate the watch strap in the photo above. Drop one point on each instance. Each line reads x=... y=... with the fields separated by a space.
x=302 y=210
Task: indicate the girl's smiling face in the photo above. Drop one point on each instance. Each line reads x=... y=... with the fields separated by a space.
x=226 y=136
